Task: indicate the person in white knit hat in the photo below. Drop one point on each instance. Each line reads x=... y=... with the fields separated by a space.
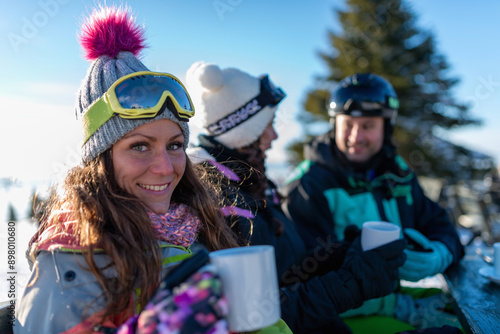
x=236 y=111
x=234 y=106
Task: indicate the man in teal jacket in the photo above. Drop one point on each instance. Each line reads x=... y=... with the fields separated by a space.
x=353 y=174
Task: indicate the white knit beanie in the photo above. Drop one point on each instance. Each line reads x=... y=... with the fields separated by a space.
x=217 y=94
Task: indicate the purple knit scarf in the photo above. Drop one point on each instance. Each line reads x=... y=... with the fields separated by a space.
x=178 y=226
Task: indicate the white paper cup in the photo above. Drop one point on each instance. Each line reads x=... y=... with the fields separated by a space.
x=496 y=258
x=377 y=233
x=250 y=283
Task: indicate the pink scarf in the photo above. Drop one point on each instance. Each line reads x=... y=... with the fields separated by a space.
x=177 y=226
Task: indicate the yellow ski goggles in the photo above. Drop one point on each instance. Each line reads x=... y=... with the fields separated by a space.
x=139 y=95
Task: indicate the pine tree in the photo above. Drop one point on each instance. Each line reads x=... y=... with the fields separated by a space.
x=11 y=216
x=380 y=36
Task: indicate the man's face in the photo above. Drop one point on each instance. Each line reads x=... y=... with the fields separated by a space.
x=359 y=138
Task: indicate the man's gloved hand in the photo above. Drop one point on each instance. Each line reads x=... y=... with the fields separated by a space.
x=376 y=270
x=432 y=257
x=351 y=232
x=425 y=312
x=337 y=257
x=336 y=252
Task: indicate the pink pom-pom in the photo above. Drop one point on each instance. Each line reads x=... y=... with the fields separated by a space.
x=110 y=30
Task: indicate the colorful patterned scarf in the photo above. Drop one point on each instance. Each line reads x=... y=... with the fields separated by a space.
x=178 y=226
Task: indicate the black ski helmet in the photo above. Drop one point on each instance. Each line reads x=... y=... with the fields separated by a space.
x=361 y=95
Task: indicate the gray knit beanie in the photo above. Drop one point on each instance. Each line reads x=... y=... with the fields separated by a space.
x=112 y=41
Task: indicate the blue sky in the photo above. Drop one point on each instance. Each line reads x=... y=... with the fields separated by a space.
x=42 y=63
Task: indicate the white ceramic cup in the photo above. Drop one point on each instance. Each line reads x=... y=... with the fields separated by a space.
x=250 y=283
x=496 y=258
x=378 y=233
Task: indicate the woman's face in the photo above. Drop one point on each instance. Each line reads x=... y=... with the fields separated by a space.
x=149 y=163
x=267 y=137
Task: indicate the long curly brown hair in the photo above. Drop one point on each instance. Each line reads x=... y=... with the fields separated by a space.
x=116 y=222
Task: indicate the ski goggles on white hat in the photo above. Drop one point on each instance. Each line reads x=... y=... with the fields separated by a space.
x=269 y=95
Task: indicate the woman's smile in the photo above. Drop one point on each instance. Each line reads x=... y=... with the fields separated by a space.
x=149 y=162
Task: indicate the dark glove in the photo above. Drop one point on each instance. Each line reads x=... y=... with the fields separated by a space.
x=375 y=271
x=336 y=252
x=351 y=233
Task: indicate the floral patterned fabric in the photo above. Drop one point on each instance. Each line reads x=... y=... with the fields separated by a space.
x=195 y=306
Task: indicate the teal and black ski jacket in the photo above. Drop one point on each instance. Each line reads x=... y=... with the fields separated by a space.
x=324 y=196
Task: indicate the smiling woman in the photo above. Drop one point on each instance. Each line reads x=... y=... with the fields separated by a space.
x=134 y=206
x=149 y=163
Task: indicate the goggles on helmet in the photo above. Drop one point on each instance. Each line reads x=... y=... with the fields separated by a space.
x=269 y=95
x=364 y=100
x=139 y=95
x=363 y=108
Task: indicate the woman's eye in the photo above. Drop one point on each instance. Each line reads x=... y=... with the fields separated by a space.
x=141 y=147
x=175 y=146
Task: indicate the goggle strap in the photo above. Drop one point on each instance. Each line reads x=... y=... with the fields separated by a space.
x=240 y=115
x=268 y=96
x=97 y=114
